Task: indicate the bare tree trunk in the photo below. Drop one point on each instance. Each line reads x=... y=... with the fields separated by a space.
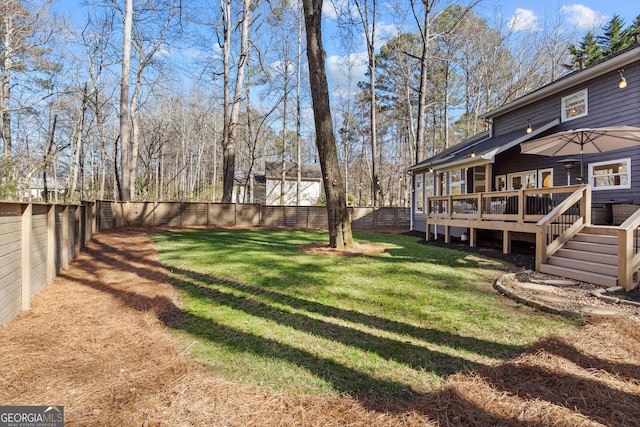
x=5 y=96
x=424 y=80
x=75 y=166
x=47 y=155
x=125 y=153
x=6 y=116
x=338 y=215
x=298 y=112
x=369 y=27
x=229 y=138
x=285 y=99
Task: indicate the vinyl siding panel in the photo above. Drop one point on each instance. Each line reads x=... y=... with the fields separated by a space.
x=607 y=106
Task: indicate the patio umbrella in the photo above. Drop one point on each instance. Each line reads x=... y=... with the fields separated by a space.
x=583 y=141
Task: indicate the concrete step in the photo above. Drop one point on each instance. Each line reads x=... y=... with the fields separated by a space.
x=596 y=257
x=586 y=266
x=592 y=247
x=583 y=276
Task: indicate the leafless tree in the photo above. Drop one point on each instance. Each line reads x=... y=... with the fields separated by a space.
x=338 y=216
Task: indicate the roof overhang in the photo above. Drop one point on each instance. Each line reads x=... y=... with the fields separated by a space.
x=526 y=137
x=482 y=158
x=576 y=78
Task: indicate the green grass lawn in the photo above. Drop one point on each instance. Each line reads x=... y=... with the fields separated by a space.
x=260 y=311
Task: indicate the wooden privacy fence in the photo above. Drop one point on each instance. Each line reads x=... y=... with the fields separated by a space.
x=36 y=242
x=184 y=214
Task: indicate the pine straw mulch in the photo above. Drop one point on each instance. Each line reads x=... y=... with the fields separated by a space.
x=96 y=341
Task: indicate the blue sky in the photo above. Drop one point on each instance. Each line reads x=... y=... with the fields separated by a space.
x=583 y=15
x=521 y=16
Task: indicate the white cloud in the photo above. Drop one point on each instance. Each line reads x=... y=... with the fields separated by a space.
x=345 y=72
x=331 y=9
x=384 y=33
x=523 y=20
x=583 y=17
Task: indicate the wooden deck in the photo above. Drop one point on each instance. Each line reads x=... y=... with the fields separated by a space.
x=555 y=216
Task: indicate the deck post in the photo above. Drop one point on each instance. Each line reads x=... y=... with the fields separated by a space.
x=541 y=247
x=585 y=205
x=473 y=237
x=625 y=255
x=506 y=242
x=521 y=206
x=447 y=238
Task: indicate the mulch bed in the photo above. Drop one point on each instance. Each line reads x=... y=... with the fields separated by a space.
x=96 y=341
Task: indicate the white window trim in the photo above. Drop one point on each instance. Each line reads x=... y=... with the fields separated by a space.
x=523 y=173
x=419 y=193
x=610 y=187
x=504 y=178
x=461 y=184
x=563 y=109
x=541 y=180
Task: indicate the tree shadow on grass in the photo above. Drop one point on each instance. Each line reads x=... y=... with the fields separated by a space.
x=448 y=406
x=416 y=357
x=131 y=261
x=434 y=336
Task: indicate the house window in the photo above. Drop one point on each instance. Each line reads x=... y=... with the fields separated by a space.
x=456 y=182
x=574 y=106
x=419 y=193
x=479 y=179
x=429 y=184
x=521 y=180
x=609 y=175
x=501 y=182
x=545 y=178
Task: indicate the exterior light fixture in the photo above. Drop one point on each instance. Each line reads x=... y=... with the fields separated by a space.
x=623 y=82
x=529 y=128
x=473 y=154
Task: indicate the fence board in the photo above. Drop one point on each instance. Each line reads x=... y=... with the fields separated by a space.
x=247 y=215
x=181 y=214
x=223 y=214
x=10 y=297
x=195 y=214
x=39 y=240
x=272 y=216
x=10 y=262
x=318 y=218
x=26 y=267
x=72 y=232
x=107 y=219
x=58 y=239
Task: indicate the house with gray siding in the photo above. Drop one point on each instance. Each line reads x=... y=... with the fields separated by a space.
x=487 y=186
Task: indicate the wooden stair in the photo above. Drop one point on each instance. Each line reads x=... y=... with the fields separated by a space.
x=590 y=256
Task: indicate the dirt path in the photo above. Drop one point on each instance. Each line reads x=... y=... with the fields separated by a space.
x=95 y=341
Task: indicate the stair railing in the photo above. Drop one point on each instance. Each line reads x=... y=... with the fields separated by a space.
x=562 y=223
x=629 y=250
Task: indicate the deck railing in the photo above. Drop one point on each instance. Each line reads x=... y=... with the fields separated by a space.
x=555 y=215
x=562 y=223
x=628 y=250
x=517 y=205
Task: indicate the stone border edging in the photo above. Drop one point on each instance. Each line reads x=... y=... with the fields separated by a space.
x=498 y=286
